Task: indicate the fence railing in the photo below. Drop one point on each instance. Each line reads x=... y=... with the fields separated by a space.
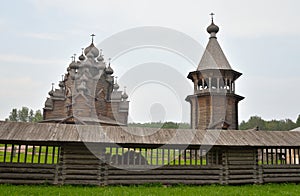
x=39 y=154
x=154 y=156
x=278 y=156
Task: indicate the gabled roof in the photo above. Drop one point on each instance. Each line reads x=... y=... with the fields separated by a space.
x=34 y=132
x=213 y=57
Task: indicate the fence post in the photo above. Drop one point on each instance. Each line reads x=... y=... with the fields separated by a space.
x=224 y=167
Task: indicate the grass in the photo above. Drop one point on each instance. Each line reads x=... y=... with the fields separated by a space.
x=144 y=190
x=31 y=157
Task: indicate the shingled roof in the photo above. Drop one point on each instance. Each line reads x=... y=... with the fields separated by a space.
x=213 y=57
x=16 y=131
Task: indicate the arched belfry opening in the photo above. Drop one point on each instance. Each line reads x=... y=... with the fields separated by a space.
x=214 y=104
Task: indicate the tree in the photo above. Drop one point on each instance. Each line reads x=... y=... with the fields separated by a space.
x=13 y=115
x=298 y=121
x=25 y=115
x=253 y=122
x=163 y=125
x=31 y=115
x=273 y=125
x=37 y=116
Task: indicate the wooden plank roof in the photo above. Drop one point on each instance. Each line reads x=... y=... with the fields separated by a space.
x=17 y=131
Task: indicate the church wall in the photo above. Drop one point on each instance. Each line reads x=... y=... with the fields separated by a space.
x=59 y=110
x=219 y=108
x=204 y=112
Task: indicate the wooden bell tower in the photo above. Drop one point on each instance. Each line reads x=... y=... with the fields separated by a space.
x=214 y=104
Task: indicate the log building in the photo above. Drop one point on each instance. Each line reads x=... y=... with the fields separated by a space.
x=214 y=104
x=88 y=93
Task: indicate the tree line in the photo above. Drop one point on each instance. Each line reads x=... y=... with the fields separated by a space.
x=255 y=122
x=163 y=125
x=272 y=125
x=25 y=115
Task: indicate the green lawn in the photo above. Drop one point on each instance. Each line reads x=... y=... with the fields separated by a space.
x=269 y=189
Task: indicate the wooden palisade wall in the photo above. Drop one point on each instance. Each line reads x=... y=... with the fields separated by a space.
x=76 y=163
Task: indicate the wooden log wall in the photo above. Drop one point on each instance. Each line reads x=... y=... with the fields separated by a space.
x=196 y=175
x=240 y=166
x=82 y=165
x=79 y=164
x=280 y=173
x=25 y=173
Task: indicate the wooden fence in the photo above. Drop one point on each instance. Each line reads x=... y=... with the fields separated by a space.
x=20 y=173
x=99 y=164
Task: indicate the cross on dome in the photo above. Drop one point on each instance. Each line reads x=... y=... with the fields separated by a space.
x=93 y=35
x=212 y=16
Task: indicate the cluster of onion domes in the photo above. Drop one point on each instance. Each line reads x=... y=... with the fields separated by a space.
x=91 y=57
x=90 y=65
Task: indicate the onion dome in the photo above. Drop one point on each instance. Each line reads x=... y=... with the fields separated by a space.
x=116 y=86
x=100 y=58
x=51 y=92
x=88 y=49
x=91 y=51
x=109 y=70
x=124 y=96
x=95 y=52
x=73 y=65
x=61 y=84
x=212 y=28
x=81 y=57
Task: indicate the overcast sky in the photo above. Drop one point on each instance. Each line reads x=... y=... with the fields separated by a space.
x=261 y=39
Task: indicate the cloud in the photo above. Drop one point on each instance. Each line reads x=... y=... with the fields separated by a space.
x=20 y=91
x=28 y=86
x=44 y=36
x=2 y=24
x=240 y=18
x=15 y=58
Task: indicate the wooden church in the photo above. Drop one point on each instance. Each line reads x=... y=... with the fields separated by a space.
x=88 y=93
